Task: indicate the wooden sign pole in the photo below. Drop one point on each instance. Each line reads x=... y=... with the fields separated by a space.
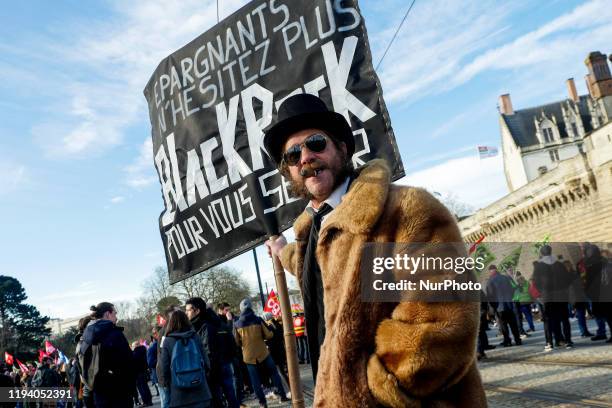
x=295 y=382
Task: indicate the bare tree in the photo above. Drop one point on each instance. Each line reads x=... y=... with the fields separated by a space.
x=194 y=286
x=125 y=310
x=146 y=309
x=158 y=285
x=458 y=208
x=217 y=284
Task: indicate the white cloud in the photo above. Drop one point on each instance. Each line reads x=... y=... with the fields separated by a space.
x=117 y=199
x=473 y=181
x=444 y=46
x=420 y=160
x=141 y=173
x=450 y=124
x=550 y=45
x=114 y=60
x=435 y=41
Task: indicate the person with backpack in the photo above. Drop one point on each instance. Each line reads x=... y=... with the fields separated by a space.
x=84 y=394
x=183 y=364
x=106 y=359
x=251 y=332
x=220 y=346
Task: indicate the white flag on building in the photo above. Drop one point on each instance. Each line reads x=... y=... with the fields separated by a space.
x=487 y=151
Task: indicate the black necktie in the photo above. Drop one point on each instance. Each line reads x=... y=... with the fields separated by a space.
x=312 y=289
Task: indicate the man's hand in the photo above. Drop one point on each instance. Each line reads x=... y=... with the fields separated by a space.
x=275 y=246
x=229 y=316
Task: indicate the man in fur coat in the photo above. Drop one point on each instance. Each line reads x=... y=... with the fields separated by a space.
x=406 y=354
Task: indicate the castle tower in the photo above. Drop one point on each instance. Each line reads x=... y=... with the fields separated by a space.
x=599 y=82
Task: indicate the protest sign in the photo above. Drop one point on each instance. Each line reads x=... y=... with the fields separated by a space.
x=210 y=102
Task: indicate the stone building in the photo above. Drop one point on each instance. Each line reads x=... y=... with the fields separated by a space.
x=558 y=166
x=535 y=140
x=60 y=326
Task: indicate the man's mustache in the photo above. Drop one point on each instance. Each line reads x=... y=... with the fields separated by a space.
x=309 y=169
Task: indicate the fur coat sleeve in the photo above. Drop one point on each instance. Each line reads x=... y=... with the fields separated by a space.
x=424 y=347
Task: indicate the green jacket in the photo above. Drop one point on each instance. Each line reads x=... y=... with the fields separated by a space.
x=521 y=293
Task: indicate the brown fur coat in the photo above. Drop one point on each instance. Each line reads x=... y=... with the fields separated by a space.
x=407 y=354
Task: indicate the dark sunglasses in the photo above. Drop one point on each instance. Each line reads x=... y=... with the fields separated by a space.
x=315 y=143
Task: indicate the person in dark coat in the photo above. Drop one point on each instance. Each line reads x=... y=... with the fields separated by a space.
x=483 y=339
x=179 y=328
x=115 y=379
x=594 y=265
x=277 y=344
x=141 y=369
x=152 y=352
x=578 y=298
x=499 y=294
x=552 y=280
x=46 y=376
x=220 y=350
x=6 y=382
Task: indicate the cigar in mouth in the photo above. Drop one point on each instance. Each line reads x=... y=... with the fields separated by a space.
x=309 y=172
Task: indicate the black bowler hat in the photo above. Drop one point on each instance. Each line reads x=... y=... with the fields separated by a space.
x=305 y=111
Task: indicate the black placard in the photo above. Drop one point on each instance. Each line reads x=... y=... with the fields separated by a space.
x=210 y=101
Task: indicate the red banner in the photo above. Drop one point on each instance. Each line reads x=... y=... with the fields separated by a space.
x=22 y=366
x=273 y=305
x=160 y=320
x=49 y=348
x=9 y=359
x=475 y=245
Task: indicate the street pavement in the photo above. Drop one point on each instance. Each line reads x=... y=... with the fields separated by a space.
x=526 y=376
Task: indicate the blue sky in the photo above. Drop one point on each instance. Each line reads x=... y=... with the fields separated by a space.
x=79 y=194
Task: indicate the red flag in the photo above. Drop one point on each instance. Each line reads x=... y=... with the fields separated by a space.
x=49 y=347
x=22 y=366
x=475 y=244
x=8 y=358
x=160 y=320
x=41 y=355
x=272 y=304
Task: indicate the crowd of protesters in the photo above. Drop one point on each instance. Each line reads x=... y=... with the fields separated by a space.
x=199 y=357
x=207 y=358
x=556 y=291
